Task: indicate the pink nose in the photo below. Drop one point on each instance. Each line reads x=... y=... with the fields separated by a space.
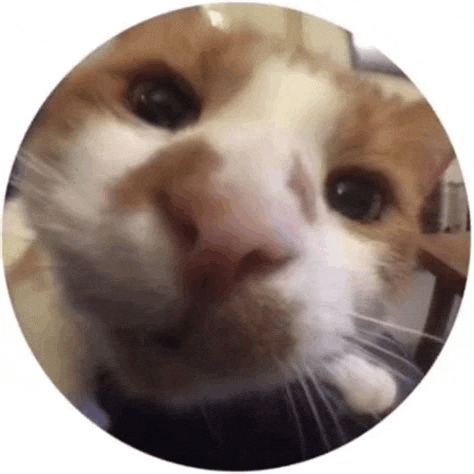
x=225 y=231
x=223 y=238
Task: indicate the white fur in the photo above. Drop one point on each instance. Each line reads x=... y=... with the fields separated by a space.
x=281 y=115
x=368 y=389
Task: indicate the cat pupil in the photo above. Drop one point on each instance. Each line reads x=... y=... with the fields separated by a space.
x=356 y=197
x=163 y=104
x=190 y=284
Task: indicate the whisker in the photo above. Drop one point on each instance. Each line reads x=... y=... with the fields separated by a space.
x=16 y=182
x=317 y=386
x=41 y=171
x=377 y=335
x=313 y=408
x=212 y=430
x=398 y=328
x=396 y=356
x=370 y=356
x=32 y=162
x=299 y=426
x=39 y=195
x=292 y=403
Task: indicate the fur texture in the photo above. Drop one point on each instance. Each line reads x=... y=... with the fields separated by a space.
x=202 y=262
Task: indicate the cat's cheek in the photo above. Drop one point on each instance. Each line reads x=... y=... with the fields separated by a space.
x=110 y=147
x=368 y=289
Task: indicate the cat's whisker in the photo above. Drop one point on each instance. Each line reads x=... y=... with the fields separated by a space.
x=30 y=190
x=376 y=335
x=33 y=163
x=380 y=348
x=397 y=327
x=317 y=386
x=214 y=433
x=16 y=182
x=390 y=353
x=313 y=407
x=402 y=357
x=292 y=403
x=58 y=229
x=201 y=259
x=299 y=426
x=358 y=345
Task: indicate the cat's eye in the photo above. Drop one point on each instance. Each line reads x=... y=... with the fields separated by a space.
x=163 y=103
x=357 y=197
x=170 y=268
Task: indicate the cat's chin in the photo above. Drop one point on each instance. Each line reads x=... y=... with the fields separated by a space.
x=220 y=392
x=253 y=343
x=362 y=388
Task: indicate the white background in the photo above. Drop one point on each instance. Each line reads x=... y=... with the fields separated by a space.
x=433 y=431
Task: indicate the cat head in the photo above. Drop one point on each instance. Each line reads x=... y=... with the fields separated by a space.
x=221 y=209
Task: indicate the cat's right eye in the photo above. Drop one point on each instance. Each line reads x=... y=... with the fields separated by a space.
x=357 y=196
x=163 y=103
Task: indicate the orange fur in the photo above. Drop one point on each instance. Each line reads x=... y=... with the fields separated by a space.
x=226 y=324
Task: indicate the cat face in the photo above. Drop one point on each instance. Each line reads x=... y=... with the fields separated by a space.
x=222 y=212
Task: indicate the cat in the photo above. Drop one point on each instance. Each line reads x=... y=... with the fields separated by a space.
x=220 y=218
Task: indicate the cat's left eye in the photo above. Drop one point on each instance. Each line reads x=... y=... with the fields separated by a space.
x=357 y=197
x=164 y=103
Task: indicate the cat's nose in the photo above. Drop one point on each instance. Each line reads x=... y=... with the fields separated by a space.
x=224 y=228
x=223 y=241
x=226 y=231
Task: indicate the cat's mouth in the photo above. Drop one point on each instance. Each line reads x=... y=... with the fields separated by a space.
x=307 y=416
x=237 y=433
x=244 y=335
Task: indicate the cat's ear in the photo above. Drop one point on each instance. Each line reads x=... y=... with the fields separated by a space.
x=434 y=150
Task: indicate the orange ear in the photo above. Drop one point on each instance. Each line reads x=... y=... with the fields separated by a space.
x=435 y=152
